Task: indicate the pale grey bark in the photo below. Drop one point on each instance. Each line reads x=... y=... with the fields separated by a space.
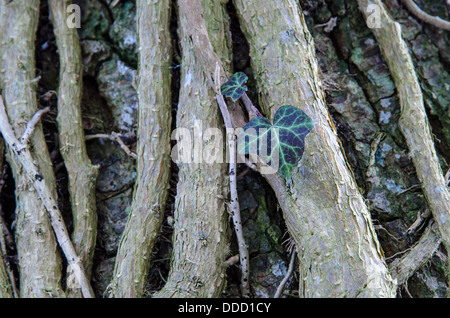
x=5 y=285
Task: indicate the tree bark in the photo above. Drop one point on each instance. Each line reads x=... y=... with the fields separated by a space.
x=40 y=262
x=325 y=213
x=413 y=120
x=200 y=235
x=153 y=151
x=82 y=174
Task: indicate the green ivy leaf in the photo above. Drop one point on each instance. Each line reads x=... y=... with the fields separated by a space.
x=235 y=86
x=280 y=145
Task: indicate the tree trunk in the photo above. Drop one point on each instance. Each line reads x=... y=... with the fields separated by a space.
x=82 y=174
x=200 y=235
x=338 y=250
x=153 y=151
x=39 y=259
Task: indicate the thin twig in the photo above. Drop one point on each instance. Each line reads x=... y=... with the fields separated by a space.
x=32 y=124
x=408 y=189
x=286 y=278
x=234 y=201
x=24 y=157
x=404 y=267
x=251 y=109
x=248 y=106
x=425 y=17
x=113 y=137
x=251 y=165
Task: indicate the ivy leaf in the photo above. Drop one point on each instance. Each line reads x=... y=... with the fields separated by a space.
x=281 y=144
x=235 y=86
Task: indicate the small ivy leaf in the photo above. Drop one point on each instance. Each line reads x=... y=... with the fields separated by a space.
x=235 y=86
x=281 y=144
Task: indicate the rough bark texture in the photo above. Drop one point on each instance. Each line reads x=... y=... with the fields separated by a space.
x=200 y=236
x=82 y=174
x=413 y=121
x=324 y=211
x=153 y=151
x=40 y=263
